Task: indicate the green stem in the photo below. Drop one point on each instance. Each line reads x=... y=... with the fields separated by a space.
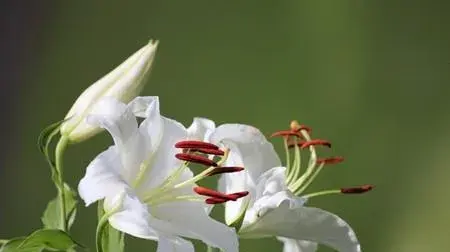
x=102 y=224
x=3 y=241
x=59 y=152
x=211 y=249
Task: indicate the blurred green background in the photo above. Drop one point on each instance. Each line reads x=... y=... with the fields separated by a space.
x=371 y=76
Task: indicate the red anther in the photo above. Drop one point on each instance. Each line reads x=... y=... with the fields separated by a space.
x=239 y=194
x=316 y=142
x=357 y=190
x=213 y=201
x=330 y=160
x=214 y=194
x=286 y=133
x=220 y=170
x=210 y=151
x=292 y=144
x=191 y=144
x=195 y=159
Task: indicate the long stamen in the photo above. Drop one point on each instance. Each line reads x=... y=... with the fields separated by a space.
x=294 y=173
x=311 y=164
x=348 y=190
x=288 y=158
x=308 y=182
x=204 y=173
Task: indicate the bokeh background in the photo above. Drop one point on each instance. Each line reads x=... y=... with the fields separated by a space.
x=371 y=76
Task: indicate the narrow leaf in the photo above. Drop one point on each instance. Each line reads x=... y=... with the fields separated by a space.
x=45 y=138
x=13 y=244
x=52 y=215
x=51 y=239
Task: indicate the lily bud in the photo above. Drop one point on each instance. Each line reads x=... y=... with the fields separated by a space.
x=124 y=83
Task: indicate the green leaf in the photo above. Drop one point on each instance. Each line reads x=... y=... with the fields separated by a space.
x=50 y=239
x=13 y=244
x=51 y=217
x=112 y=240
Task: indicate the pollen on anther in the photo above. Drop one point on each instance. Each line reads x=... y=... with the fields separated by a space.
x=357 y=190
x=195 y=159
x=316 y=142
x=330 y=160
x=192 y=144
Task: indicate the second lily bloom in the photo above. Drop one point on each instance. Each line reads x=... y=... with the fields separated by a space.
x=275 y=206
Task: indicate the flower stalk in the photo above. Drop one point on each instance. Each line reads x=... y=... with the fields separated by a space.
x=59 y=153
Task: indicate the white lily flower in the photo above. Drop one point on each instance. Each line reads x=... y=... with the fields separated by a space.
x=276 y=204
x=124 y=83
x=147 y=191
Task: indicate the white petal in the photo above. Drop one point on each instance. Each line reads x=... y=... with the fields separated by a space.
x=190 y=219
x=163 y=161
x=152 y=127
x=255 y=153
x=285 y=216
x=201 y=129
x=291 y=245
x=143 y=106
x=230 y=183
x=271 y=182
x=132 y=216
x=248 y=148
x=120 y=122
x=102 y=177
x=174 y=244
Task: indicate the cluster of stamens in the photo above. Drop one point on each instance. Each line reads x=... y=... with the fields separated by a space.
x=203 y=153
x=298 y=137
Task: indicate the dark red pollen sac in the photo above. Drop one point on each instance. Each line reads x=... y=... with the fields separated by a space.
x=214 y=194
x=292 y=144
x=192 y=144
x=196 y=159
x=330 y=160
x=226 y=169
x=209 y=151
x=357 y=190
x=216 y=197
x=213 y=201
x=239 y=194
x=287 y=133
x=316 y=142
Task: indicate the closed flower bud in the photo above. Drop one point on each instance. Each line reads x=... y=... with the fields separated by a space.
x=124 y=83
